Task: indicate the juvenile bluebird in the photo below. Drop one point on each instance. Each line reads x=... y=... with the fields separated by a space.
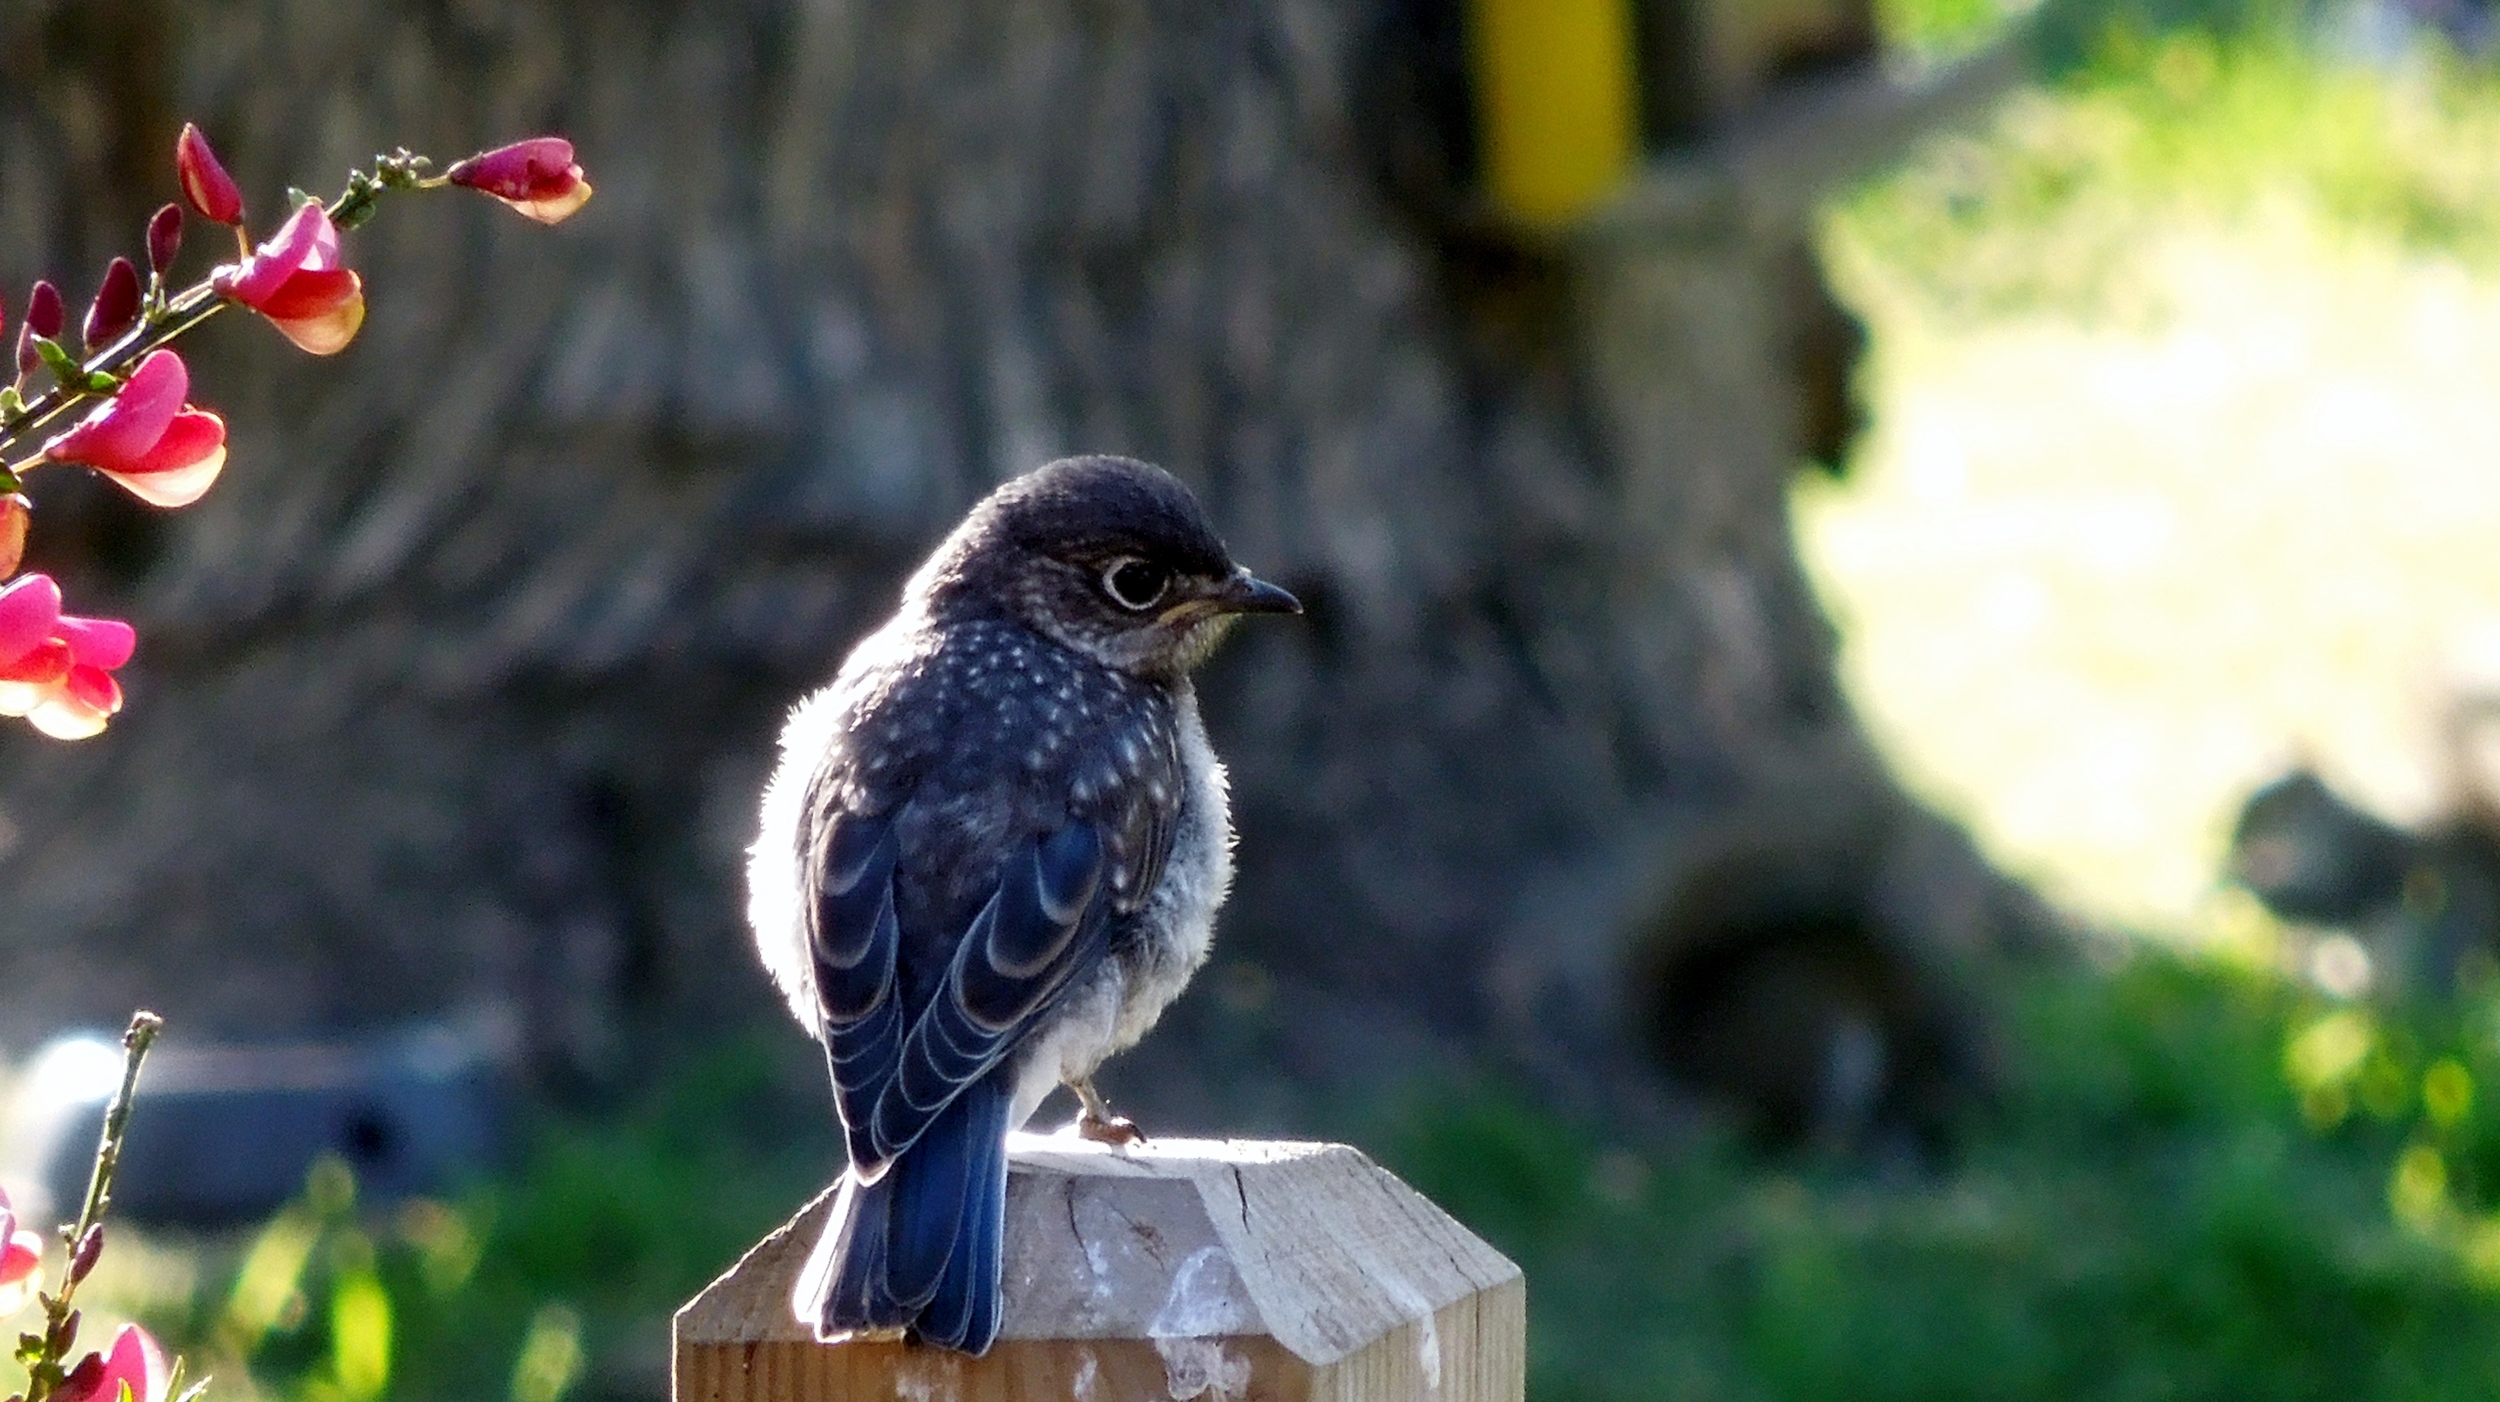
x=991 y=856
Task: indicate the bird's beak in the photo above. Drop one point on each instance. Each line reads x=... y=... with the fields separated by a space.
x=1247 y=593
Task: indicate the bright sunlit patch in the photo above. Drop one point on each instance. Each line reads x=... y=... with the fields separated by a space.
x=2098 y=579
x=2418 y=1189
x=2340 y=967
x=2447 y=1092
x=2330 y=1052
x=76 y=1070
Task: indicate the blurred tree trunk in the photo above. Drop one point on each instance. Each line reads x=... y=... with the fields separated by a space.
x=460 y=687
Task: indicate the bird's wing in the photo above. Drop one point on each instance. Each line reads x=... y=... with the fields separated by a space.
x=1048 y=918
x=852 y=944
x=1047 y=921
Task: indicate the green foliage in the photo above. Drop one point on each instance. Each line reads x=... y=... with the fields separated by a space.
x=2181 y=113
x=2144 y=1215
x=1938 y=26
x=554 y=1282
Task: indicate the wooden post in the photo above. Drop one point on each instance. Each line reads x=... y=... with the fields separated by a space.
x=1222 y=1270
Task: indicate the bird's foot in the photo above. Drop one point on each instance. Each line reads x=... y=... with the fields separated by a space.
x=1117 y=1131
x=1096 y=1122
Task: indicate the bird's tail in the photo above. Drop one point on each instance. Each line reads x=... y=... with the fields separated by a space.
x=918 y=1249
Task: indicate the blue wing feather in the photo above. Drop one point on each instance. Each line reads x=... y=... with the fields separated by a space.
x=854 y=939
x=1041 y=926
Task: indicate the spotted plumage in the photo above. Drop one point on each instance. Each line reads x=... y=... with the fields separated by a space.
x=991 y=856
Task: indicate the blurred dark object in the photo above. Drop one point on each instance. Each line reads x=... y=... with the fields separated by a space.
x=2426 y=903
x=1706 y=62
x=221 y=1135
x=2313 y=857
x=1827 y=343
x=1793 y=973
x=2387 y=25
x=1786 y=1003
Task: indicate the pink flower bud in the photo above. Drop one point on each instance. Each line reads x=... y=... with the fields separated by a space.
x=45 y=315
x=536 y=177
x=90 y=1250
x=204 y=182
x=164 y=238
x=116 y=305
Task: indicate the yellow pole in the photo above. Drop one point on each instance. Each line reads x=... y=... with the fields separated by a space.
x=1554 y=90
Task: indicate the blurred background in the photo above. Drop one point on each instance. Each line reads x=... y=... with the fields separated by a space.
x=1893 y=778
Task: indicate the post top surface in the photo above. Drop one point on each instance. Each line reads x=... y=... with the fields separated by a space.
x=1313 y=1245
x=1064 y=1152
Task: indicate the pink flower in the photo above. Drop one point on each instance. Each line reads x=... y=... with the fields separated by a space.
x=21 y=1262
x=295 y=280
x=135 y=1362
x=204 y=182
x=160 y=449
x=537 y=177
x=15 y=512
x=57 y=670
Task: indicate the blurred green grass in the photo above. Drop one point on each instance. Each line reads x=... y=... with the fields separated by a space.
x=554 y=1280
x=2147 y=1214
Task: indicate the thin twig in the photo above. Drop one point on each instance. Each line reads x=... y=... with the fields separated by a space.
x=43 y=1354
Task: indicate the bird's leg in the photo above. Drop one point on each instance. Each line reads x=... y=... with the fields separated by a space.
x=1096 y=1122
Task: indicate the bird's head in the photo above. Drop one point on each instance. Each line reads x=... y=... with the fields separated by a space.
x=1108 y=556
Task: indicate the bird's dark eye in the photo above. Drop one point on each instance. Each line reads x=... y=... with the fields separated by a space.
x=1134 y=584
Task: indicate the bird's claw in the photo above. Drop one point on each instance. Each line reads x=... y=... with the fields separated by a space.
x=1118 y=1131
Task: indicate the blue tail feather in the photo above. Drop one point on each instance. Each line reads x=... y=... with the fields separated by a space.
x=920 y=1248
x=964 y=1313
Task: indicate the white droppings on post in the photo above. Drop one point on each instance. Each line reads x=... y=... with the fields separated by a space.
x=1100 y=1267
x=1088 y=1369
x=1194 y=1368
x=1200 y=1303
x=1427 y=1329
x=926 y=1376
x=1197 y=1312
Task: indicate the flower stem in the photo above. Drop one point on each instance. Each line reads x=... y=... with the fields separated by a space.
x=197 y=303
x=43 y=1353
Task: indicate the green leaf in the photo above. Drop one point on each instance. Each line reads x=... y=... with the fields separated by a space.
x=103 y=382
x=58 y=360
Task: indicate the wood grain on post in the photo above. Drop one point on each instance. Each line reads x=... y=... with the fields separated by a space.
x=1185 y=1269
